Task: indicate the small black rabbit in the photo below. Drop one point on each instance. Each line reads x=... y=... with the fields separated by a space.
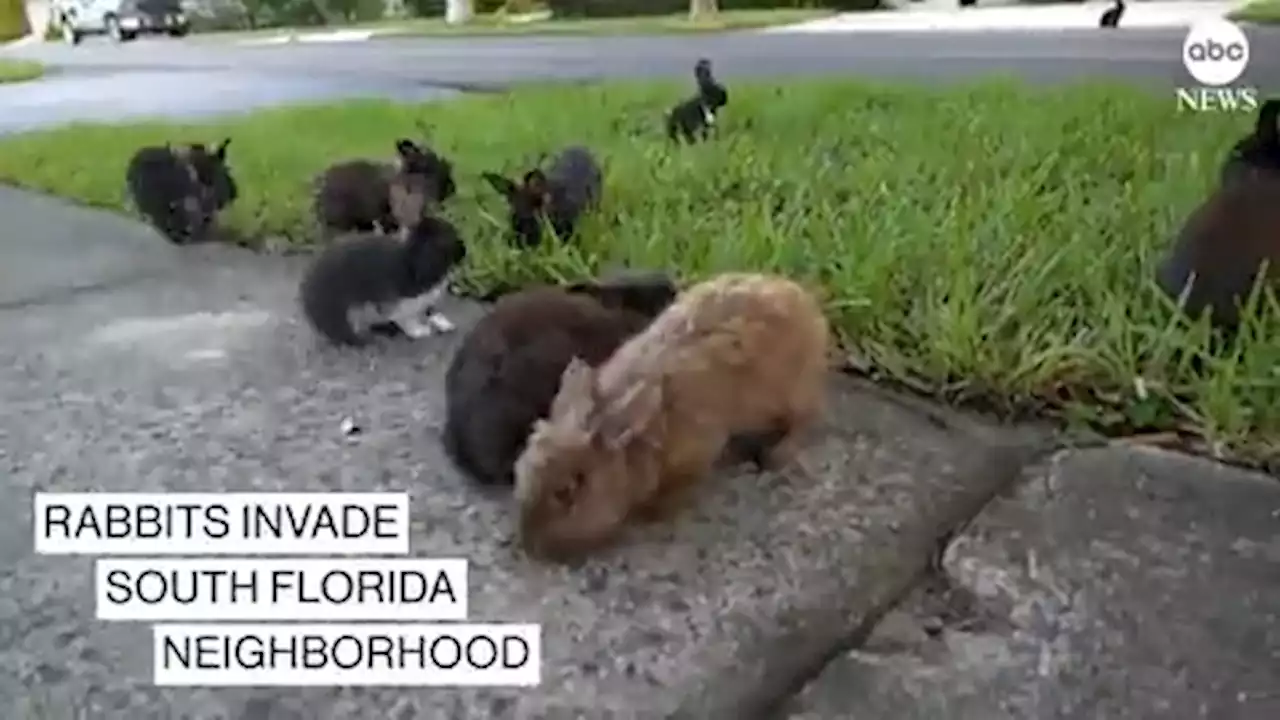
x=1258 y=152
x=356 y=195
x=1223 y=244
x=507 y=369
x=181 y=190
x=571 y=186
x=1111 y=18
x=361 y=283
x=695 y=118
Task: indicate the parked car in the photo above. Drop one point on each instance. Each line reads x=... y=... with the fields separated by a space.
x=121 y=20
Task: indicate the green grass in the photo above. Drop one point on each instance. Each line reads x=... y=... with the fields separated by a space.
x=1263 y=12
x=13 y=71
x=500 y=24
x=989 y=243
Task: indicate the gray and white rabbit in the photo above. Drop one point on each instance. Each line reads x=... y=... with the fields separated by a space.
x=572 y=185
x=362 y=283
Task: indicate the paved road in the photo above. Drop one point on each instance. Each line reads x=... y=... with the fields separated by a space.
x=213 y=76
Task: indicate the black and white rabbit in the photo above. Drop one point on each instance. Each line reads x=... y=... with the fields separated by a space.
x=360 y=284
x=570 y=187
x=1258 y=152
x=695 y=118
x=355 y=195
x=507 y=369
x=180 y=190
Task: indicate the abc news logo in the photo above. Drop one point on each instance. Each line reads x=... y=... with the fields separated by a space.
x=1215 y=54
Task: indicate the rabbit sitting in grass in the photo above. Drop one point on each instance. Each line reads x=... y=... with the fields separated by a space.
x=1221 y=249
x=355 y=196
x=738 y=354
x=361 y=283
x=180 y=190
x=1258 y=152
x=571 y=186
x=695 y=118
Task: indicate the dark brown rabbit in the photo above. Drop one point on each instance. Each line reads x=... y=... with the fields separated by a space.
x=506 y=371
x=355 y=196
x=1221 y=249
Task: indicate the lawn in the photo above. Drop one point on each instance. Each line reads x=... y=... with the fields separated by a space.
x=986 y=244
x=12 y=71
x=1259 y=11
x=500 y=24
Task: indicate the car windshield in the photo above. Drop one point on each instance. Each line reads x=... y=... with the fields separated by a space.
x=157 y=7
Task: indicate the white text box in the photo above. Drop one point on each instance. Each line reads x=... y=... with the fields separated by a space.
x=245 y=589
x=422 y=654
x=221 y=523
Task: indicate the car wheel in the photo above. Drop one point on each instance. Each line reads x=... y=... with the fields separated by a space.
x=70 y=35
x=114 y=31
x=179 y=32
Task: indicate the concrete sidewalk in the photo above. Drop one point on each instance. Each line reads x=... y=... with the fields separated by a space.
x=1101 y=583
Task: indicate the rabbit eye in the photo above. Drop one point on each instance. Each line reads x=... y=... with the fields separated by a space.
x=565 y=494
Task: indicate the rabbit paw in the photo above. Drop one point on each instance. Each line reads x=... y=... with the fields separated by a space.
x=440 y=323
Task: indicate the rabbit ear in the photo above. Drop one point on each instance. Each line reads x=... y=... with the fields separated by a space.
x=221 y=151
x=504 y=186
x=576 y=400
x=630 y=416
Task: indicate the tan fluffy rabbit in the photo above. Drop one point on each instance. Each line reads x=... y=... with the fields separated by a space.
x=740 y=353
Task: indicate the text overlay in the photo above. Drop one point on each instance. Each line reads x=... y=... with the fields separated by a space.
x=212 y=589
x=222 y=523
x=440 y=654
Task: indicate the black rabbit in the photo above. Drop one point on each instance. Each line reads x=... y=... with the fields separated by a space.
x=507 y=369
x=1111 y=18
x=362 y=283
x=1258 y=152
x=1221 y=248
x=571 y=186
x=695 y=118
x=180 y=190
x=355 y=195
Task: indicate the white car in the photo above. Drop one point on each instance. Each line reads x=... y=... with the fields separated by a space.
x=121 y=20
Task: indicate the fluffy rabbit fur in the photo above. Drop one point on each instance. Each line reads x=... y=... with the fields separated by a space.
x=180 y=190
x=364 y=281
x=741 y=353
x=507 y=369
x=694 y=118
x=1223 y=245
x=1258 y=152
x=571 y=186
x=355 y=196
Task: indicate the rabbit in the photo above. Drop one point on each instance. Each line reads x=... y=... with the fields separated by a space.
x=181 y=190
x=356 y=195
x=1111 y=17
x=1258 y=152
x=740 y=353
x=1223 y=244
x=507 y=369
x=696 y=117
x=571 y=186
x=360 y=283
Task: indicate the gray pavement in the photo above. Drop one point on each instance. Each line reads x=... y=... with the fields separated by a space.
x=1079 y=584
